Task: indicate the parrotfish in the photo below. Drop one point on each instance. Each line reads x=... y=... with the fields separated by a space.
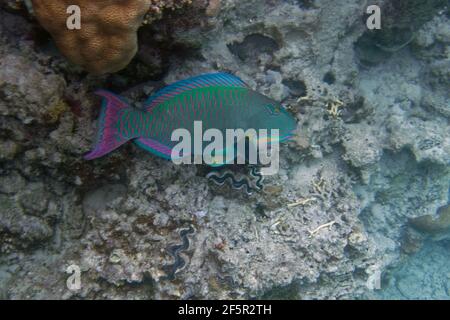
x=219 y=100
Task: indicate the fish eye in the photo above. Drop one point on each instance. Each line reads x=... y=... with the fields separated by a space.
x=274 y=110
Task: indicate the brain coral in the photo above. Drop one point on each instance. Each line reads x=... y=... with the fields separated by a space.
x=107 y=40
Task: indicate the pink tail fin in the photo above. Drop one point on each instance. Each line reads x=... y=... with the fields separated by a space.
x=109 y=137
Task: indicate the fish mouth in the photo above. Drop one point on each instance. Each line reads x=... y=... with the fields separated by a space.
x=286 y=138
x=289 y=136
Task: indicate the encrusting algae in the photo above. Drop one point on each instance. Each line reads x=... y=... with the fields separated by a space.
x=434 y=224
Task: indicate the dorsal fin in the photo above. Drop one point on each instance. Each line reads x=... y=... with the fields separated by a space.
x=202 y=81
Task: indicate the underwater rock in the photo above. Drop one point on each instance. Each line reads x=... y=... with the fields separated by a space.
x=17 y=230
x=213 y=8
x=8 y=150
x=21 y=97
x=361 y=147
x=412 y=241
x=253 y=46
x=437 y=102
x=99 y=199
x=34 y=199
x=401 y=20
x=12 y=183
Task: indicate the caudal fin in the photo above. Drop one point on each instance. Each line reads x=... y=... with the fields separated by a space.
x=109 y=137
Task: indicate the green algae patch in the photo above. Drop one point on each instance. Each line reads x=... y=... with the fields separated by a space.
x=434 y=224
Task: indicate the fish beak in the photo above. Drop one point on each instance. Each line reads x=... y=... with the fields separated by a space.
x=293 y=133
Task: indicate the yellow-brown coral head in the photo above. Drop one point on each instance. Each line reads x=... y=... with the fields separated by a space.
x=107 y=39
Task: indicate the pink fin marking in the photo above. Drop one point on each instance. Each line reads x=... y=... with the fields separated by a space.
x=108 y=138
x=153 y=145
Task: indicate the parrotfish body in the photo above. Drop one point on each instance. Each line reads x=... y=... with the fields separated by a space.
x=220 y=101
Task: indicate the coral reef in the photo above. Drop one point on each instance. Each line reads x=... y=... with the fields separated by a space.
x=372 y=154
x=401 y=20
x=107 y=40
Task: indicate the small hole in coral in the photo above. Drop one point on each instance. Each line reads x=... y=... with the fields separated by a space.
x=329 y=78
x=296 y=87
